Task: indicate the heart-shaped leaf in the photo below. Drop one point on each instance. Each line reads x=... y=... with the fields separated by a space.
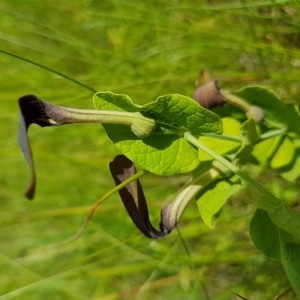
x=184 y=114
x=165 y=152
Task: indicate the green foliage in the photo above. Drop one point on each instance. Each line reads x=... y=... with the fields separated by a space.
x=276 y=243
x=210 y=203
x=165 y=152
x=181 y=114
x=171 y=147
x=264 y=234
x=175 y=114
x=249 y=137
x=284 y=216
x=145 y=50
x=277 y=114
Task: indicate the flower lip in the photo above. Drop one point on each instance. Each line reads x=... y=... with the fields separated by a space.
x=34 y=110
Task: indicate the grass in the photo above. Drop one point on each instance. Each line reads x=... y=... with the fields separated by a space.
x=143 y=49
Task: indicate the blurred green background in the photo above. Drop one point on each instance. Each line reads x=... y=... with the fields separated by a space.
x=144 y=49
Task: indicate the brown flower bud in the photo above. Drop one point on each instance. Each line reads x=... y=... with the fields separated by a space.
x=209 y=95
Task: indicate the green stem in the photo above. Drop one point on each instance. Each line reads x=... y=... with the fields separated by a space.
x=194 y=141
x=252 y=111
x=236 y=101
x=49 y=69
x=96 y=205
x=223 y=137
x=273 y=133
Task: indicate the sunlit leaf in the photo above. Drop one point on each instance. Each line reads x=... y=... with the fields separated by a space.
x=183 y=113
x=231 y=127
x=293 y=173
x=111 y=101
x=280 y=153
x=163 y=154
x=262 y=150
x=284 y=155
x=213 y=200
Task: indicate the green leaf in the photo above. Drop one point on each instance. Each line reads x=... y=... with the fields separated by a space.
x=213 y=200
x=276 y=112
x=249 y=137
x=285 y=154
x=222 y=146
x=282 y=215
x=292 y=173
x=264 y=234
x=162 y=154
x=281 y=152
x=159 y=154
x=290 y=258
x=277 y=244
x=183 y=113
x=111 y=101
x=263 y=149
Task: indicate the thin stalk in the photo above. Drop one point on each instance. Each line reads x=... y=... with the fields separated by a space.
x=96 y=205
x=264 y=136
x=191 y=139
x=236 y=101
x=223 y=137
x=49 y=69
x=252 y=111
x=273 y=133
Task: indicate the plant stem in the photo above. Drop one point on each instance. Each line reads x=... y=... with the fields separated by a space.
x=273 y=133
x=252 y=111
x=49 y=69
x=194 y=141
x=224 y=137
x=236 y=101
x=96 y=205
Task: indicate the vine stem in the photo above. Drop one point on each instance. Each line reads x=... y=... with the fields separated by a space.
x=49 y=69
x=233 y=168
x=96 y=205
x=273 y=133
